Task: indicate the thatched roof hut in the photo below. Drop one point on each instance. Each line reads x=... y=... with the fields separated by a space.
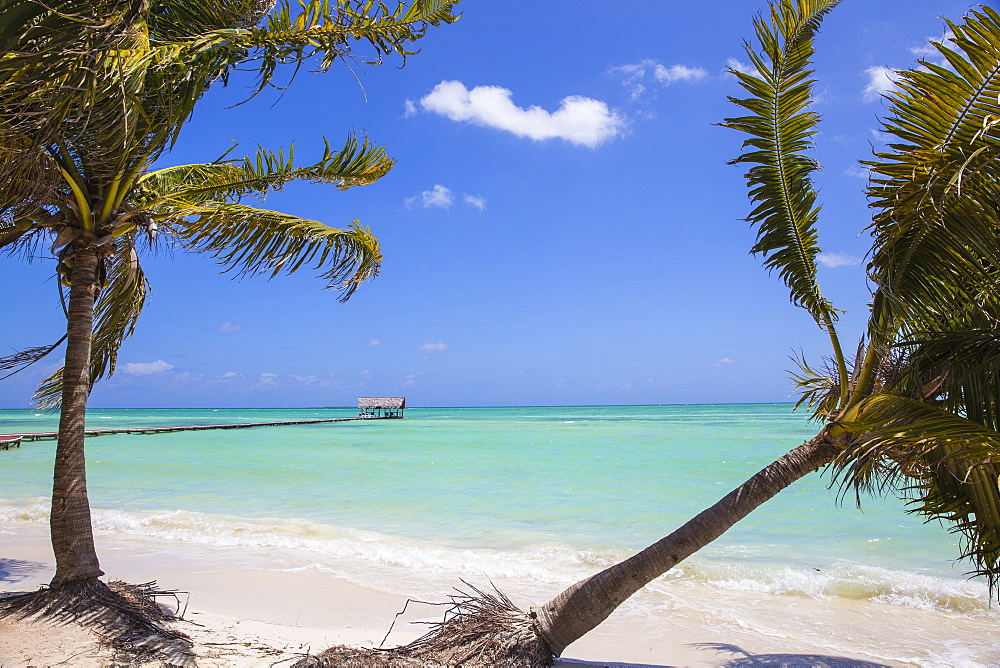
x=381 y=406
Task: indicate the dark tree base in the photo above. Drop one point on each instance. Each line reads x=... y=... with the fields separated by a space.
x=125 y=616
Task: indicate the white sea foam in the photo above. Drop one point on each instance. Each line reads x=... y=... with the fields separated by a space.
x=342 y=547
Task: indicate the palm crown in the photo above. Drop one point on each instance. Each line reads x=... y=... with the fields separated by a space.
x=917 y=412
x=93 y=93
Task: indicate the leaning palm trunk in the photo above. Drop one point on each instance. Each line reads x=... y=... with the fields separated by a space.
x=72 y=533
x=487 y=630
x=579 y=609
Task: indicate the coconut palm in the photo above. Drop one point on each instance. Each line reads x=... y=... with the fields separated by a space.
x=917 y=411
x=92 y=94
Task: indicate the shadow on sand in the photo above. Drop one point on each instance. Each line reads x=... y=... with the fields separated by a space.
x=745 y=658
x=15 y=570
x=776 y=660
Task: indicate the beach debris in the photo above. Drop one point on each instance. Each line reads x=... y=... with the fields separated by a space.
x=481 y=629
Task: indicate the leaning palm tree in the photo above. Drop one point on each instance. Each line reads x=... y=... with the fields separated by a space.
x=917 y=411
x=92 y=93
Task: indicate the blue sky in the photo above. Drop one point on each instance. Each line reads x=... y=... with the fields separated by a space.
x=561 y=226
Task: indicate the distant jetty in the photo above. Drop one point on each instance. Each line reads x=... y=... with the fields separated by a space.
x=372 y=408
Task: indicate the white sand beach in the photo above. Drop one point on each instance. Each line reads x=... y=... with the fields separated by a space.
x=239 y=616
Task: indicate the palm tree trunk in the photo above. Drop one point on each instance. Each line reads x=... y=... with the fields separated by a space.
x=586 y=604
x=72 y=534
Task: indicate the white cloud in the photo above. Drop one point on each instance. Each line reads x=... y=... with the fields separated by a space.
x=232 y=326
x=881 y=80
x=668 y=75
x=146 y=368
x=740 y=66
x=579 y=120
x=928 y=49
x=409 y=108
x=834 y=260
x=857 y=171
x=434 y=347
x=228 y=375
x=723 y=362
x=474 y=201
x=374 y=342
x=633 y=75
x=266 y=379
x=305 y=380
x=438 y=197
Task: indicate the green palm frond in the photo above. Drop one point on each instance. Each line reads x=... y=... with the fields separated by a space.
x=819 y=390
x=936 y=243
x=781 y=129
x=945 y=465
x=358 y=163
x=251 y=241
x=118 y=307
x=115 y=315
x=22 y=359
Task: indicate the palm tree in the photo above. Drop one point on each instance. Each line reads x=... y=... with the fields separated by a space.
x=917 y=411
x=92 y=93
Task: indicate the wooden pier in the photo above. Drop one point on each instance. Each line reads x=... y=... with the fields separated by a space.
x=8 y=441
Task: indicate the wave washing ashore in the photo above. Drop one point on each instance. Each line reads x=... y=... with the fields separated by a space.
x=274 y=523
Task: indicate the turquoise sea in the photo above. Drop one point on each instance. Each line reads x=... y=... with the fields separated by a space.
x=520 y=495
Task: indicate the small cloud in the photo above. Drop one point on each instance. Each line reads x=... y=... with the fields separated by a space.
x=409 y=108
x=374 y=342
x=409 y=380
x=305 y=380
x=858 y=172
x=881 y=80
x=928 y=48
x=668 y=75
x=739 y=66
x=266 y=379
x=475 y=201
x=881 y=136
x=634 y=75
x=834 y=260
x=228 y=375
x=437 y=197
x=434 y=347
x=232 y=327
x=147 y=368
x=578 y=120
x=723 y=362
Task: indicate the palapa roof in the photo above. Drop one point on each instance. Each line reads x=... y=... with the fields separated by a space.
x=381 y=402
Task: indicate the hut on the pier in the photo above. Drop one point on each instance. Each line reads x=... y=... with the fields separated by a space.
x=381 y=407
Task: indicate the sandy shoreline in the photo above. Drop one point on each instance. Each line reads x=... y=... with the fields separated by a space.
x=259 y=616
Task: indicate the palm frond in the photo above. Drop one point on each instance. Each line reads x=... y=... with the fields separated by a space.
x=357 y=163
x=781 y=126
x=118 y=307
x=115 y=314
x=251 y=241
x=819 y=390
x=22 y=359
x=936 y=244
x=945 y=465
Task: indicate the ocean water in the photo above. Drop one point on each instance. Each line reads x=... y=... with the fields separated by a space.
x=533 y=498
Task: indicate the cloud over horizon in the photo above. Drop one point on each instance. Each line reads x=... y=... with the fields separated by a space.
x=579 y=120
